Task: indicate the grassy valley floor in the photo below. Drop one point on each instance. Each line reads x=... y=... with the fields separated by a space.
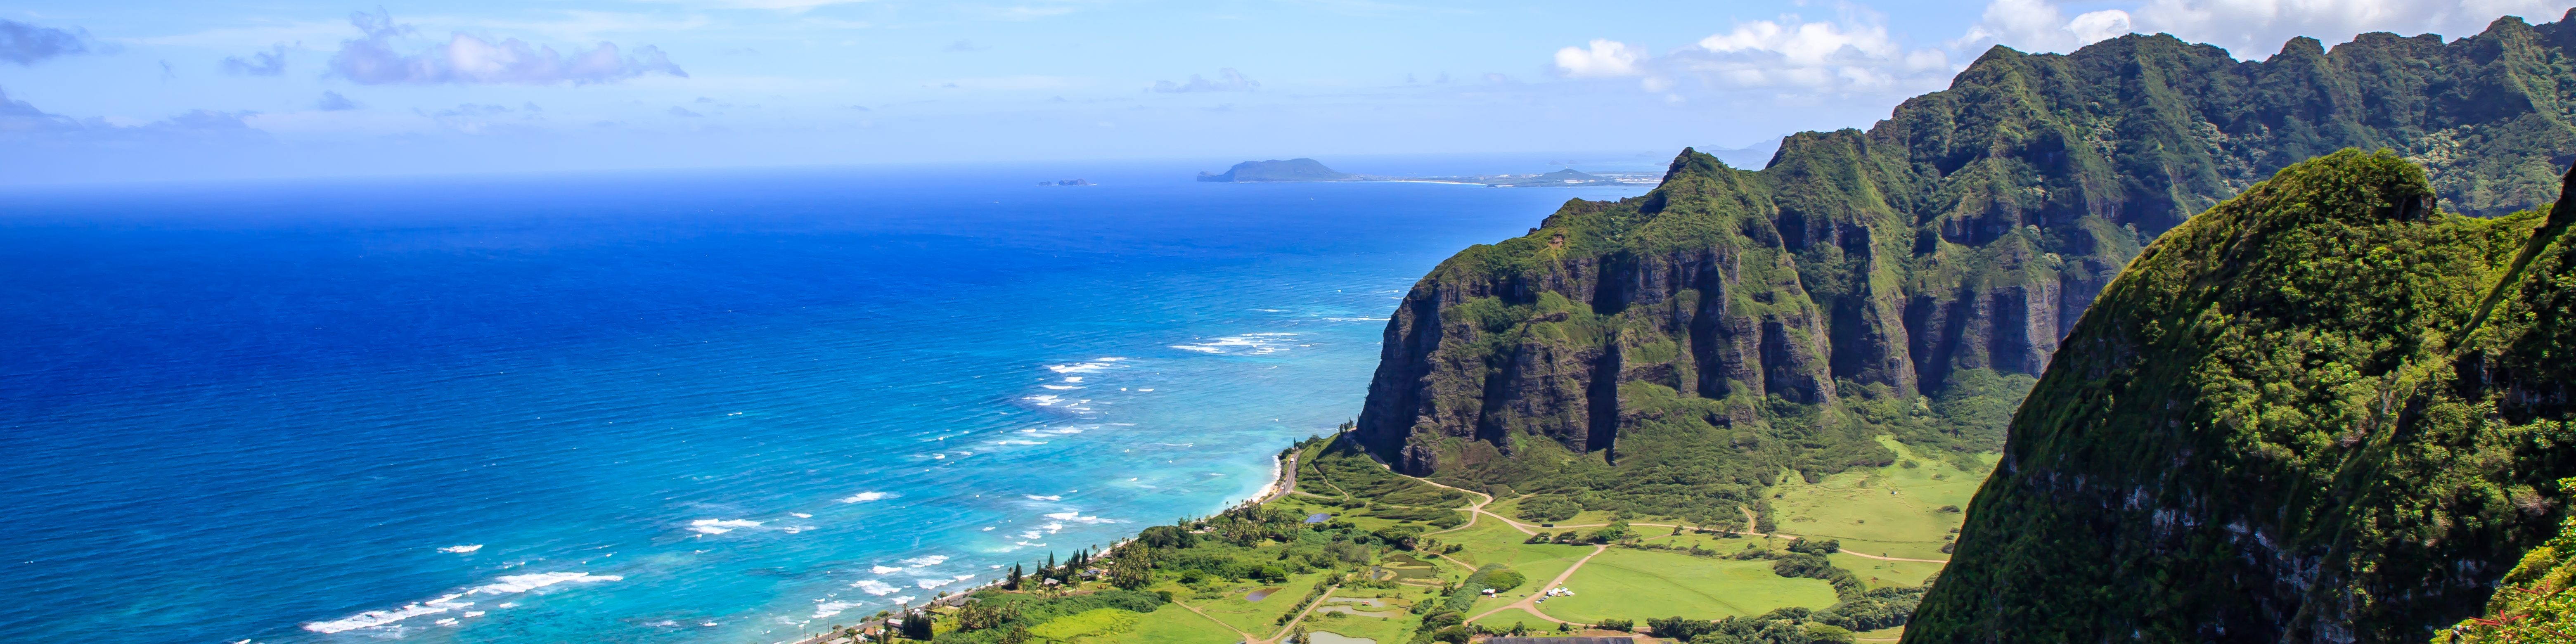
x=1351 y=553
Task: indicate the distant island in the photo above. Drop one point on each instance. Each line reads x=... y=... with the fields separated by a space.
x=1297 y=170
x=1277 y=170
x=1067 y=182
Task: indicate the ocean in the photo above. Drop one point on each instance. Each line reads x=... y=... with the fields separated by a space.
x=711 y=406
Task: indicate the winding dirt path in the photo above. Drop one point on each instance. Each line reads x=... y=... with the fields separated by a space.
x=1530 y=603
x=1284 y=629
x=1247 y=637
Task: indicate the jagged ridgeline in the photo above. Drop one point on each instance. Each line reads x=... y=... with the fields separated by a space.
x=2324 y=411
x=1672 y=352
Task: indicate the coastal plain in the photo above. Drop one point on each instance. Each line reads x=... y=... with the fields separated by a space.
x=1330 y=556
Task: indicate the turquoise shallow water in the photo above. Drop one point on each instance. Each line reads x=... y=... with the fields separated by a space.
x=708 y=407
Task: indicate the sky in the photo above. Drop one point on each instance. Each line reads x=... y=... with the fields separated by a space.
x=155 y=90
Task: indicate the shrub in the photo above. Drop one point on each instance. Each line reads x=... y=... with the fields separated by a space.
x=1549 y=507
x=1814 y=547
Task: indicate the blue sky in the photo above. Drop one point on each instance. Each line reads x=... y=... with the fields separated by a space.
x=133 y=91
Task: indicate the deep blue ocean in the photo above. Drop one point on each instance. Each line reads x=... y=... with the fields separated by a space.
x=660 y=407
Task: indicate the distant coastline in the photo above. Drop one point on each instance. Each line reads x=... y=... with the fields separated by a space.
x=1282 y=481
x=1311 y=171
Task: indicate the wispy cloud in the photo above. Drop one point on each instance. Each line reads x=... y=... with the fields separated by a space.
x=792 y=6
x=25 y=44
x=22 y=122
x=1227 y=80
x=468 y=59
x=334 y=102
x=262 y=63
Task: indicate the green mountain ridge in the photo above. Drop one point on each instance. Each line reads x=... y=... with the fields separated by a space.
x=1678 y=352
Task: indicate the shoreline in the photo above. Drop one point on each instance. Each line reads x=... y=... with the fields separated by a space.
x=1282 y=481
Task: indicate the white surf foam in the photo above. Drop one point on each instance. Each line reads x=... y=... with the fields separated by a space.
x=874 y=587
x=828 y=609
x=927 y=561
x=1250 y=344
x=463 y=548
x=510 y=584
x=1093 y=366
x=1050 y=497
x=1060 y=387
x=721 y=526
x=864 y=497
x=1079 y=518
x=505 y=585
x=885 y=570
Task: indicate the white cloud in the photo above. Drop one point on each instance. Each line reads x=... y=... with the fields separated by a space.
x=466 y=58
x=2039 y=26
x=1606 y=58
x=2249 y=29
x=1819 y=57
x=1854 y=53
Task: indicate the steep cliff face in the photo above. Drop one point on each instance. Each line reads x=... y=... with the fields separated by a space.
x=1914 y=278
x=2324 y=411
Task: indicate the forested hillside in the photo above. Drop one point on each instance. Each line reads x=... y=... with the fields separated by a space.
x=1677 y=351
x=2324 y=411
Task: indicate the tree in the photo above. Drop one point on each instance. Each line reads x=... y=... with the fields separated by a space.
x=1164 y=536
x=1132 y=570
x=1013 y=583
x=982 y=615
x=916 y=625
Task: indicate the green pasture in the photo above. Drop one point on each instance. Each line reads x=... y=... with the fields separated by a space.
x=1896 y=509
x=1644 y=584
x=1504 y=620
x=1170 y=625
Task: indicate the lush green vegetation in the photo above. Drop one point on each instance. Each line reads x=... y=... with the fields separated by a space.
x=1265 y=572
x=1674 y=354
x=2535 y=602
x=2324 y=406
